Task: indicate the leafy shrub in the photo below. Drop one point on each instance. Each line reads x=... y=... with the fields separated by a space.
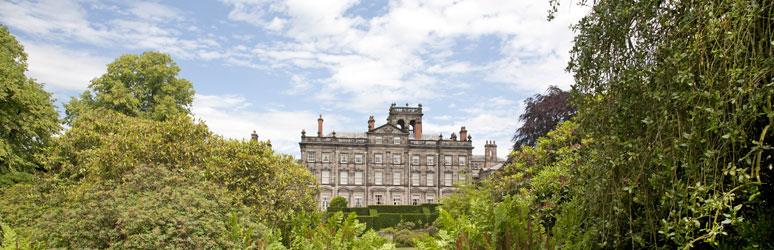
x=338 y=203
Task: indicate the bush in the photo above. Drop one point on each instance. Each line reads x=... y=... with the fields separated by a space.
x=338 y=203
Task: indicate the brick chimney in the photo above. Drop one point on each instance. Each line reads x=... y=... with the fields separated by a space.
x=418 y=129
x=320 y=126
x=254 y=136
x=371 y=123
x=463 y=134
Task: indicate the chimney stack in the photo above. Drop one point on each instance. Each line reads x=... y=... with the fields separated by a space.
x=371 y=123
x=490 y=154
x=418 y=129
x=320 y=126
x=254 y=136
x=463 y=134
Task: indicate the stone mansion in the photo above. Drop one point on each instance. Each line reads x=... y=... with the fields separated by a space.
x=392 y=164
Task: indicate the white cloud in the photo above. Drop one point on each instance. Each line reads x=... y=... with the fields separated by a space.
x=232 y=116
x=405 y=54
x=154 y=11
x=63 y=68
x=146 y=26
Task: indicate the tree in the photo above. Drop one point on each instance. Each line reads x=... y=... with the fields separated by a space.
x=542 y=113
x=338 y=203
x=28 y=118
x=144 y=85
x=121 y=181
x=678 y=97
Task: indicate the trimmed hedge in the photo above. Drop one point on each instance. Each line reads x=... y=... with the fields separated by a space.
x=384 y=216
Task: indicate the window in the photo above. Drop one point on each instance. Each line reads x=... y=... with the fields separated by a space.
x=378 y=140
x=396 y=178
x=325 y=202
x=310 y=156
x=358 y=201
x=325 y=177
x=378 y=199
x=415 y=200
x=447 y=179
x=431 y=179
x=430 y=160
x=343 y=158
x=359 y=159
x=378 y=158
x=326 y=157
x=447 y=160
x=396 y=159
x=343 y=178
x=415 y=160
x=463 y=160
x=415 y=179
x=461 y=177
x=396 y=140
x=359 y=178
x=396 y=200
x=430 y=198
x=378 y=178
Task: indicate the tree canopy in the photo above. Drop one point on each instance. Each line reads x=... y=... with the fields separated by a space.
x=145 y=85
x=542 y=112
x=28 y=118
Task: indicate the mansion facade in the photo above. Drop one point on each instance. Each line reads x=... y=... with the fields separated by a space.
x=392 y=164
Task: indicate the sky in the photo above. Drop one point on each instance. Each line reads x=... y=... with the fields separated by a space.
x=273 y=66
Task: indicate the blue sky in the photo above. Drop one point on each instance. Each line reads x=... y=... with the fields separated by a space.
x=273 y=66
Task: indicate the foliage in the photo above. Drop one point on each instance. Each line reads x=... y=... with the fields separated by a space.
x=28 y=118
x=542 y=112
x=338 y=203
x=336 y=232
x=678 y=97
x=472 y=219
x=104 y=144
x=120 y=181
x=145 y=85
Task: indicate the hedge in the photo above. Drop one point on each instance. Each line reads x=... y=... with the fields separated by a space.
x=384 y=216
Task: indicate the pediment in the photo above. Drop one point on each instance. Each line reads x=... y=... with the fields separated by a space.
x=388 y=129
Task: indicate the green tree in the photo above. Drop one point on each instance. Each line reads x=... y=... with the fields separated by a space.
x=678 y=97
x=28 y=118
x=145 y=85
x=338 y=203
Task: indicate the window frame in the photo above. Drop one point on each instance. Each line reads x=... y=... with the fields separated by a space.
x=343 y=178
x=462 y=160
x=398 y=157
x=396 y=181
x=311 y=156
x=323 y=179
x=448 y=179
x=430 y=179
x=343 y=158
x=449 y=162
x=326 y=157
x=378 y=158
x=415 y=160
x=359 y=176
x=378 y=140
x=430 y=160
x=378 y=178
x=416 y=178
x=358 y=158
x=396 y=140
